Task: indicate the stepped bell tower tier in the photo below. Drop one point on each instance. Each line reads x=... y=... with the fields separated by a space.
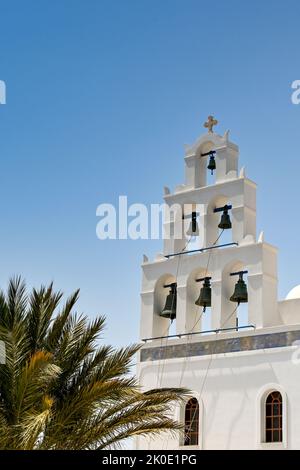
x=210 y=317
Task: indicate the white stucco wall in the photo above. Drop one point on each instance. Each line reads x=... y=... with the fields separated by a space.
x=235 y=387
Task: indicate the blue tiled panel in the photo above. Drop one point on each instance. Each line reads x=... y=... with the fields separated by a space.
x=219 y=346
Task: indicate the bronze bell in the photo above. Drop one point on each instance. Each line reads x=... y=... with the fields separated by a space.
x=212 y=163
x=169 y=310
x=204 y=299
x=193 y=229
x=225 y=222
x=240 y=294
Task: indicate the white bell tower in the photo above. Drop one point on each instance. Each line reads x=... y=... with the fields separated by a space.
x=231 y=188
x=184 y=358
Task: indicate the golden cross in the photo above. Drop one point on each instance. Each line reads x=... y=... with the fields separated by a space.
x=210 y=123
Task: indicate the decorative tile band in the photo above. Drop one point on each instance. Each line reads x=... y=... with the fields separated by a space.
x=220 y=346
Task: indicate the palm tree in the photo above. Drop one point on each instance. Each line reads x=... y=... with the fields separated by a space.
x=59 y=389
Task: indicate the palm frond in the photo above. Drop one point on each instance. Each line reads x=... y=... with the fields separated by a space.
x=60 y=389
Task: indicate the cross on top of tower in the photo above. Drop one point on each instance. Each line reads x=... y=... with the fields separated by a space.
x=210 y=123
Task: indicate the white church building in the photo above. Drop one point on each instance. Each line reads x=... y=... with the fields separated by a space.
x=211 y=320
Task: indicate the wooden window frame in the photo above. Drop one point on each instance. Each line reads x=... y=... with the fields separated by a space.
x=274 y=417
x=191 y=422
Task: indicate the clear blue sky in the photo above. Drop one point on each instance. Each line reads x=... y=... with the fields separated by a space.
x=101 y=97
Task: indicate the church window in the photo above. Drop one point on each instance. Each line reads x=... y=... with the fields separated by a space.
x=274 y=417
x=191 y=423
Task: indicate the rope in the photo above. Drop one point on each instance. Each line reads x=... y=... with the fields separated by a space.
x=200 y=318
x=194 y=325
x=208 y=367
x=162 y=363
x=210 y=251
x=186 y=347
x=165 y=336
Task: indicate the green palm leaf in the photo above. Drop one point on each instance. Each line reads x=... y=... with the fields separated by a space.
x=60 y=389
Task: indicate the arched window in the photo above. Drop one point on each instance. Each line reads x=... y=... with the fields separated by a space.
x=191 y=423
x=274 y=417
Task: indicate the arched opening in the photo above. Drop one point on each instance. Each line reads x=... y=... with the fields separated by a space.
x=273 y=417
x=214 y=234
x=192 y=229
x=205 y=177
x=191 y=423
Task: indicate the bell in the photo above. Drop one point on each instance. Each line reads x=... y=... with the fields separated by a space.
x=225 y=222
x=204 y=299
x=169 y=310
x=240 y=294
x=212 y=163
x=193 y=229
